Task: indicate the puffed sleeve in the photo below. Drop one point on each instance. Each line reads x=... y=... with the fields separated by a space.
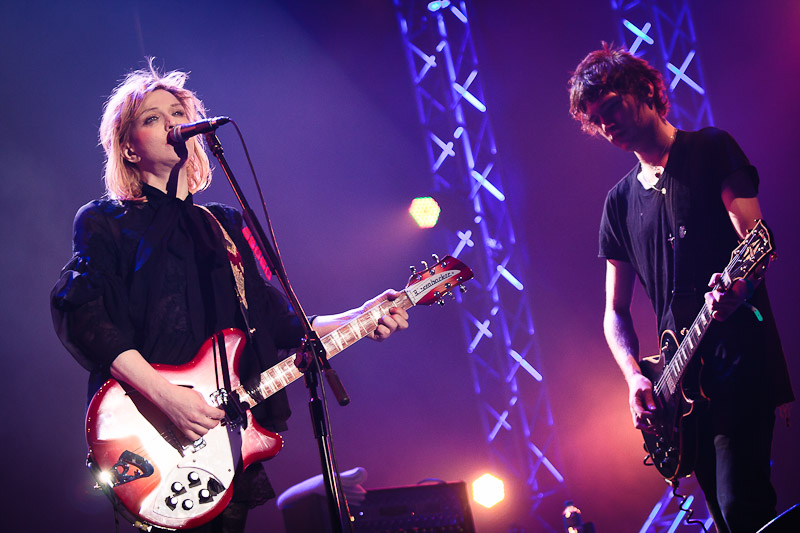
x=89 y=300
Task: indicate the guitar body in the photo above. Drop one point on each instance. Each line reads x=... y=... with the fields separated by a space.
x=673 y=446
x=151 y=468
x=675 y=373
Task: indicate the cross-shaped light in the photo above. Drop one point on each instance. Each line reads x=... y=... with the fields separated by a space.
x=680 y=74
x=641 y=35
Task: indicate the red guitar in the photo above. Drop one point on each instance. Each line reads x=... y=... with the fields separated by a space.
x=155 y=476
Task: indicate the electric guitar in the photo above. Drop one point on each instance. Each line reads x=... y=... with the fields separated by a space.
x=155 y=476
x=672 y=446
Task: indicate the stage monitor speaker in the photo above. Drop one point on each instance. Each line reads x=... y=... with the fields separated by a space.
x=439 y=508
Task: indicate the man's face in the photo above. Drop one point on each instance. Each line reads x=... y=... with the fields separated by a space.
x=620 y=119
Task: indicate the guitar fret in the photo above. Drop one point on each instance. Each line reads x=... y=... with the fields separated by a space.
x=337 y=340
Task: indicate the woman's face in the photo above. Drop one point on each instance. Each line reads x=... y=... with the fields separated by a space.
x=148 y=148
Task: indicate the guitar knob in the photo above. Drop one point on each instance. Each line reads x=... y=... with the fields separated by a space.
x=194 y=478
x=187 y=505
x=205 y=496
x=172 y=502
x=177 y=488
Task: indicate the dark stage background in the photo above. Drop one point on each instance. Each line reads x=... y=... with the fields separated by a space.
x=322 y=93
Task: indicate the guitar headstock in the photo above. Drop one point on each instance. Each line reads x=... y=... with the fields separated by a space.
x=752 y=257
x=431 y=283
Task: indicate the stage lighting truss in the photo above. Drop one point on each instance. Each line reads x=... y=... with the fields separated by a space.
x=661 y=31
x=669 y=513
x=496 y=315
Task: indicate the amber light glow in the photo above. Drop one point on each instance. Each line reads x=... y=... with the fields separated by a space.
x=425 y=211
x=488 y=491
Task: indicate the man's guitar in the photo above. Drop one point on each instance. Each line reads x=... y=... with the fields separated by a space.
x=672 y=447
x=155 y=476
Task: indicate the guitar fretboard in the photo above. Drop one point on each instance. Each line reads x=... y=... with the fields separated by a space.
x=754 y=251
x=680 y=360
x=286 y=372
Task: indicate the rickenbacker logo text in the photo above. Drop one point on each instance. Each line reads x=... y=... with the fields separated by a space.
x=422 y=288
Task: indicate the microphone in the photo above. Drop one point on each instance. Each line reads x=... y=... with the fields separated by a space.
x=183 y=132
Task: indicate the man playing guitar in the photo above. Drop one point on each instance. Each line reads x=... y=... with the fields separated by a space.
x=672 y=222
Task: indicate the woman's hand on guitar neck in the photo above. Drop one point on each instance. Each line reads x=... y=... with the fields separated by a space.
x=395 y=319
x=643 y=407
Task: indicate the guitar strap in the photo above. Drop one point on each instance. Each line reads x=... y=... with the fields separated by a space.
x=219 y=348
x=237 y=267
x=684 y=295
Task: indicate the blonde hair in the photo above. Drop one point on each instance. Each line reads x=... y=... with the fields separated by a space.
x=121 y=176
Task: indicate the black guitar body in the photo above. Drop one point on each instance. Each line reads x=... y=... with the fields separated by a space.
x=673 y=447
x=675 y=373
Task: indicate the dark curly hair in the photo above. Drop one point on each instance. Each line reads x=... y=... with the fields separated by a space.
x=616 y=70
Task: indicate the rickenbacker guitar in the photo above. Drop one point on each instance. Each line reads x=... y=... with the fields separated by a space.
x=155 y=476
x=672 y=446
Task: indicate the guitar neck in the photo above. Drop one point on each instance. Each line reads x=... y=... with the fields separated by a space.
x=286 y=372
x=683 y=355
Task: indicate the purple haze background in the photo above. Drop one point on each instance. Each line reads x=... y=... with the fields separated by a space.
x=322 y=93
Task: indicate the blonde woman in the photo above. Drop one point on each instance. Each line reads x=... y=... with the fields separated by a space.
x=150 y=279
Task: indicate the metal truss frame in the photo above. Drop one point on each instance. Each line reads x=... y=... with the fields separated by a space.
x=496 y=315
x=662 y=32
x=670 y=513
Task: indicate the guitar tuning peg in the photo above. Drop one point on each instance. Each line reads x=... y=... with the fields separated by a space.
x=413 y=269
x=462 y=288
x=441 y=303
x=435 y=258
x=424 y=265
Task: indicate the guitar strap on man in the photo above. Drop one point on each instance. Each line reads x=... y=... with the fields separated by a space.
x=684 y=304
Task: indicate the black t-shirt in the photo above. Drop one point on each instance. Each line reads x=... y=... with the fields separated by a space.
x=685 y=209
x=155 y=276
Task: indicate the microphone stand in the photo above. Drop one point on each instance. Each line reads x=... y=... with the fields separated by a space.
x=337 y=502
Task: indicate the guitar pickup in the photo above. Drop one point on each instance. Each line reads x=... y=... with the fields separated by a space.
x=233 y=413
